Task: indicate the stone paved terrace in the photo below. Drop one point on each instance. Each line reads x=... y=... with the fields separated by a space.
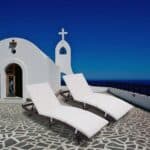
x=19 y=131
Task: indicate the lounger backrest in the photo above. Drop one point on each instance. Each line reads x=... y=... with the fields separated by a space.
x=43 y=97
x=78 y=86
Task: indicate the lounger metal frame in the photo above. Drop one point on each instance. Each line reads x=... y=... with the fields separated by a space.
x=69 y=97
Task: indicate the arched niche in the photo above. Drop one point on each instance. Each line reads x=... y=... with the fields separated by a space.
x=14 y=80
x=62 y=51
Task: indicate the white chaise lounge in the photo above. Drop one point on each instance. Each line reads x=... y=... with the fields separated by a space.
x=48 y=105
x=81 y=92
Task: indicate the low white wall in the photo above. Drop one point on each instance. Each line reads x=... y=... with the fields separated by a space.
x=98 y=89
x=135 y=98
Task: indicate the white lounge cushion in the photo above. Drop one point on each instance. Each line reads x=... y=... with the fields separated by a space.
x=48 y=105
x=78 y=86
x=43 y=97
x=111 y=105
x=85 y=122
x=82 y=92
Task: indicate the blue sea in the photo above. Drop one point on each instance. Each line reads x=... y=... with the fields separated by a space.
x=138 y=86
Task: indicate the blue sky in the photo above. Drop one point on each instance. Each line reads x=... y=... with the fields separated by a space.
x=109 y=39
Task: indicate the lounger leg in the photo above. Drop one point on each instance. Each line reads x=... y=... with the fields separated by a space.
x=50 y=122
x=66 y=99
x=77 y=136
x=76 y=131
x=105 y=115
x=36 y=111
x=29 y=114
x=70 y=96
x=84 y=106
x=32 y=108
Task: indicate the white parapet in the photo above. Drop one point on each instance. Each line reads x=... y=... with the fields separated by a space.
x=135 y=98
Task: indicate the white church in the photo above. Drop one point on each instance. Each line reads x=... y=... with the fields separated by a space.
x=23 y=63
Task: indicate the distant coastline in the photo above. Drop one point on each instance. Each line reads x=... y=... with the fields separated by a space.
x=138 y=86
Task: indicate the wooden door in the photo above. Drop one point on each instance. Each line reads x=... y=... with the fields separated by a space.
x=11 y=85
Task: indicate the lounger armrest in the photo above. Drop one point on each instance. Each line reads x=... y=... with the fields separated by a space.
x=66 y=91
x=66 y=95
x=26 y=105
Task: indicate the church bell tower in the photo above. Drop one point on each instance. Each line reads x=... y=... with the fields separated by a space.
x=63 y=54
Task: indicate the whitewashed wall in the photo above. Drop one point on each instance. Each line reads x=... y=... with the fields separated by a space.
x=36 y=66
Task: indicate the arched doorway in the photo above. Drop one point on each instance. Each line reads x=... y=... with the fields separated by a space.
x=13 y=80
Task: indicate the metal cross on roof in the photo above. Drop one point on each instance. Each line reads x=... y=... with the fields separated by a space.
x=63 y=33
